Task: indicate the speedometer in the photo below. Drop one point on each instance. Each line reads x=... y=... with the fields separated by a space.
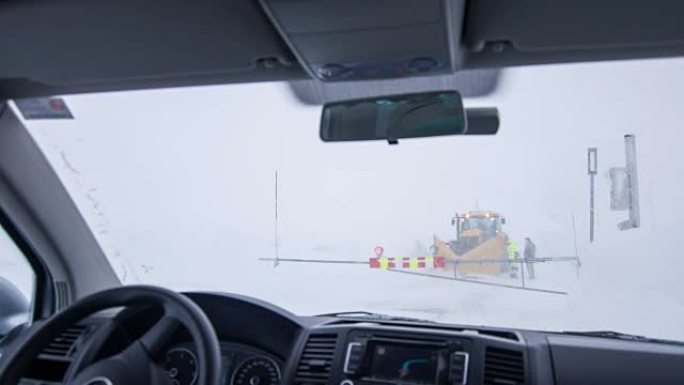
x=258 y=370
x=181 y=366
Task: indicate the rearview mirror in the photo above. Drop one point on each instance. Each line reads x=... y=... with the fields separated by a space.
x=394 y=117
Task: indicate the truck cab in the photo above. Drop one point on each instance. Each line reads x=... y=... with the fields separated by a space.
x=475 y=227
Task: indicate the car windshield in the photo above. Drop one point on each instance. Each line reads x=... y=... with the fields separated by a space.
x=229 y=188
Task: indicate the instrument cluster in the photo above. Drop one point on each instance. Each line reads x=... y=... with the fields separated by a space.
x=242 y=365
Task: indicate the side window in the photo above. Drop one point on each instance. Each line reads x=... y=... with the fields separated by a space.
x=16 y=285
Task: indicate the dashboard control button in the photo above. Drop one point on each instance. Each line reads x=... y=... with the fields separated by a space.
x=458 y=368
x=354 y=357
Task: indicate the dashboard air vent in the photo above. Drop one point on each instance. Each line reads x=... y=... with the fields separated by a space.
x=63 y=344
x=500 y=334
x=62 y=296
x=316 y=361
x=504 y=367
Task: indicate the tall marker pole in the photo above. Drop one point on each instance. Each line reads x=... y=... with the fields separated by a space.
x=592 y=161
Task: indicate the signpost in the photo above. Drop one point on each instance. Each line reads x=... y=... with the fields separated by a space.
x=592 y=166
x=276 y=260
x=625 y=187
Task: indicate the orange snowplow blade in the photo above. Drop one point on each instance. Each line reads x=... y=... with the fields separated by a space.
x=491 y=249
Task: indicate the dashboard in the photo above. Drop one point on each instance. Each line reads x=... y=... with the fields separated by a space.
x=262 y=344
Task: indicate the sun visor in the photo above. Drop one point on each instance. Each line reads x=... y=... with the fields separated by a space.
x=74 y=46
x=362 y=40
x=504 y=33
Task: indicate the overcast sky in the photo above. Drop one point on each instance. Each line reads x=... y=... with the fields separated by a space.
x=178 y=186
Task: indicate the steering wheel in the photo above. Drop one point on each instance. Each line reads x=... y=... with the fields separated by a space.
x=138 y=363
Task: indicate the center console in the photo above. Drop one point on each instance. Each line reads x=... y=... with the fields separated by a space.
x=398 y=358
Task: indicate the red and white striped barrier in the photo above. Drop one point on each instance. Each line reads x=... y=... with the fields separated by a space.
x=406 y=262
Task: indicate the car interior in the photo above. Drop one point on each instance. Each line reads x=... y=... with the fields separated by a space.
x=87 y=328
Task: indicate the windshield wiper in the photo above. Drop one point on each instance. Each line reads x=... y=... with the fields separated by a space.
x=621 y=336
x=371 y=316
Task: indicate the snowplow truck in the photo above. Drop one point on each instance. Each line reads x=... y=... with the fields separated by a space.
x=479 y=236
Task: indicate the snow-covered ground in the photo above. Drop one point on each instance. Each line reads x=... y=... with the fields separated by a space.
x=178 y=188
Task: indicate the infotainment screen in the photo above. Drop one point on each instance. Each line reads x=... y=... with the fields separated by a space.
x=400 y=363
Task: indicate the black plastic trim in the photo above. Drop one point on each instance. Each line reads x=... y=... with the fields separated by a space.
x=43 y=295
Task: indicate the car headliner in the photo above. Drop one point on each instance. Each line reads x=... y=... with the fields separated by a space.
x=73 y=46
